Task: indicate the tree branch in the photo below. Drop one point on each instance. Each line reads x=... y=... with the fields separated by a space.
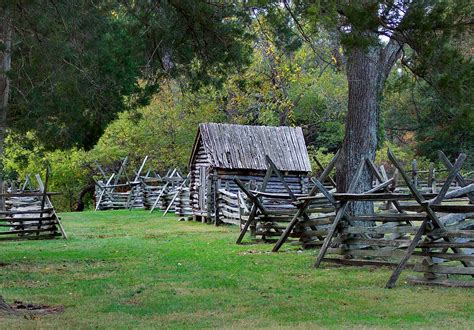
x=303 y=34
x=390 y=54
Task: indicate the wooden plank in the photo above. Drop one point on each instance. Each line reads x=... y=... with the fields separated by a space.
x=180 y=188
x=452 y=175
x=442 y=208
x=331 y=180
x=280 y=176
x=302 y=207
x=123 y=165
x=339 y=216
x=447 y=283
x=104 y=191
x=446 y=245
x=452 y=233
x=443 y=269
x=157 y=200
x=318 y=184
x=28 y=194
x=464 y=191
x=42 y=188
x=29 y=231
x=49 y=217
x=372 y=196
x=401 y=217
x=45 y=223
x=309 y=233
x=409 y=251
x=239 y=146
x=459 y=179
x=381 y=186
x=378 y=242
x=361 y=262
x=330 y=167
x=10 y=212
x=256 y=205
x=43 y=198
x=137 y=176
x=427 y=206
x=465 y=258
x=104 y=176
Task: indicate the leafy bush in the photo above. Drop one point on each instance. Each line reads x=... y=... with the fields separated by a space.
x=69 y=171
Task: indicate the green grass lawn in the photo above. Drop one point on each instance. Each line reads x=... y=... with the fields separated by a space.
x=125 y=269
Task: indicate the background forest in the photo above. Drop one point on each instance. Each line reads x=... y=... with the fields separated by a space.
x=99 y=80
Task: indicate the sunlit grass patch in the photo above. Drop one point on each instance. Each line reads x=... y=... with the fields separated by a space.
x=132 y=269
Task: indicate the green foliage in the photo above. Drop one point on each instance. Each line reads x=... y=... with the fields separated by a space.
x=69 y=79
x=321 y=103
x=20 y=151
x=189 y=40
x=406 y=156
x=417 y=116
x=141 y=80
x=76 y=64
x=322 y=155
x=437 y=48
x=69 y=173
x=165 y=130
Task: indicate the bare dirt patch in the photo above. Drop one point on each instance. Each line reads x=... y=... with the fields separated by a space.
x=36 y=308
x=19 y=308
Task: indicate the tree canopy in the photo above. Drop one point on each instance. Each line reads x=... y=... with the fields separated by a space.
x=79 y=63
x=105 y=78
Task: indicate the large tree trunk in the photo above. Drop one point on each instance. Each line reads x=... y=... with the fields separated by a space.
x=5 y=61
x=367 y=70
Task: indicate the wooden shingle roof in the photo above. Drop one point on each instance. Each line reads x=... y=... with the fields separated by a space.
x=244 y=147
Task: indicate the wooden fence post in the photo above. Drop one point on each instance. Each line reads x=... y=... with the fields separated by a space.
x=432 y=178
x=216 y=186
x=414 y=173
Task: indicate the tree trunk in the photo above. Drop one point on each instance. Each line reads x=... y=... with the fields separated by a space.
x=80 y=203
x=5 y=62
x=367 y=70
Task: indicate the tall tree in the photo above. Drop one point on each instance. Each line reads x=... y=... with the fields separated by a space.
x=368 y=63
x=79 y=63
x=370 y=36
x=74 y=66
x=5 y=63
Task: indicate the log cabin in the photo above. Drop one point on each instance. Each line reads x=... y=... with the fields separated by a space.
x=222 y=152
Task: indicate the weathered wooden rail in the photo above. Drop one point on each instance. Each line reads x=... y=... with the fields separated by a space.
x=436 y=233
x=28 y=213
x=183 y=203
x=277 y=217
x=111 y=193
x=427 y=230
x=118 y=191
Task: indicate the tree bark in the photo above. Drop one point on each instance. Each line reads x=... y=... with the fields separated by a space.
x=367 y=71
x=80 y=203
x=5 y=64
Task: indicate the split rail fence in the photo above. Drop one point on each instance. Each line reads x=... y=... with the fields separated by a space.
x=148 y=191
x=432 y=229
x=27 y=212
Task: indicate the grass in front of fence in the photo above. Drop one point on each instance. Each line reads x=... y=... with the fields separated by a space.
x=132 y=269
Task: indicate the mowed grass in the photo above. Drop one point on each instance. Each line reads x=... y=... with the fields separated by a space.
x=130 y=269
